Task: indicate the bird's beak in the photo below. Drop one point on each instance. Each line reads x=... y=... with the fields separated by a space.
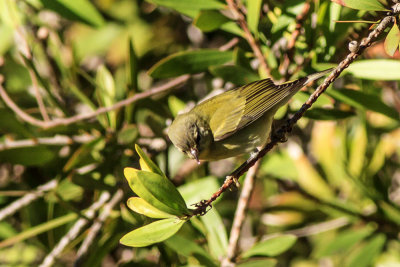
x=195 y=153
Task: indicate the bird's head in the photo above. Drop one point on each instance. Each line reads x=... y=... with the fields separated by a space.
x=190 y=134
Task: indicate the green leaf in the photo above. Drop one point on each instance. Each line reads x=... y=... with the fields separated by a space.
x=69 y=191
x=392 y=40
x=233 y=28
x=210 y=20
x=83 y=154
x=157 y=190
x=133 y=66
x=357 y=150
x=253 y=14
x=139 y=205
x=146 y=163
x=344 y=241
x=175 y=105
x=188 y=247
x=128 y=134
x=189 y=62
x=282 y=23
x=367 y=254
x=79 y=10
x=235 y=74
x=376 y=69
x=10 y=14
x=10 y=124
x=154 y=232
x=106 y=93
x=363 y=100
x=38 y=229
x=271 y=247
x=216 y=233
x=28 y=156
x=368 y=5
x=191 y=193
x=190 y=4
x=279 y=165
x=328 y=114
x=391 y=212
x=259 y=263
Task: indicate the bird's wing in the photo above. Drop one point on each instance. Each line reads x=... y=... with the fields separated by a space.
x=247 y=104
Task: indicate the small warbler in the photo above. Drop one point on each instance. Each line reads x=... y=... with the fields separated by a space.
x=234 y=122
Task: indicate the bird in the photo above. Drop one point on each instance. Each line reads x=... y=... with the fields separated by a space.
x=235 y=122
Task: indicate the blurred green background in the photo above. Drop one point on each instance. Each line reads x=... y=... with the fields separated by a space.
x=334 y=186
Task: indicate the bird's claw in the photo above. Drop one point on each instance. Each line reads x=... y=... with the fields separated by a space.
x=202 y=207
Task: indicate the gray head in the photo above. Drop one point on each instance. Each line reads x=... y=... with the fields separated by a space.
x=190 y=134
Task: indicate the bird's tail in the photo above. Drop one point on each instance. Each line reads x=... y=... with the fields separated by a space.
x=317 y=75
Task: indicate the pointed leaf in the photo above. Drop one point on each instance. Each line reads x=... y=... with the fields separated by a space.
x=272 y=247
x=344 y=241
x=308 y=177
x=235 y=74
x=367 y=254
x=28 y=156
x=216 y=233
x=392 y=40
x=139 y=205
x=376 y=69
x=210 y=20
x=328 y=114
x=188 y=247
x=175 y=105
x=259 y=263
x=133 y=65
x=189 y=62
x=369 y=5
x=106 y=93
x=80 y=10
x=190 y=4
x=146 y=164
x=253 y=14
x=154 y=232
x=363 y=100
x=38 y=229
x=191 y=193
x=358 y=148
x=157 y=190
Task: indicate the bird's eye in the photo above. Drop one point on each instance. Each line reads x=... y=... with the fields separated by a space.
x=198 y=135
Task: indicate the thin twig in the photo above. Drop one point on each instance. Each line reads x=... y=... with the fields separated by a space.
x=58 y=140
x=315 y=229
x=74 y=230
x=26 y=199
x=230 y=44
x=241 y=20
x=96 y=227
x=280 y=135
x=240 y=215
x=66 y=121
x=38 y=96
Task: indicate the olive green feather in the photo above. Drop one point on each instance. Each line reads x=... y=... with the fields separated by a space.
x=253 y=100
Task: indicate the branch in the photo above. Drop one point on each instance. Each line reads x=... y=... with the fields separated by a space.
x=241 y=20
x=58 y=140
x=240 y=215
x=26 y=199
x=74 y=231
x=280 y=135
x=66 y=121
x=96 y=227
x=38 y=97
x=315 y=229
